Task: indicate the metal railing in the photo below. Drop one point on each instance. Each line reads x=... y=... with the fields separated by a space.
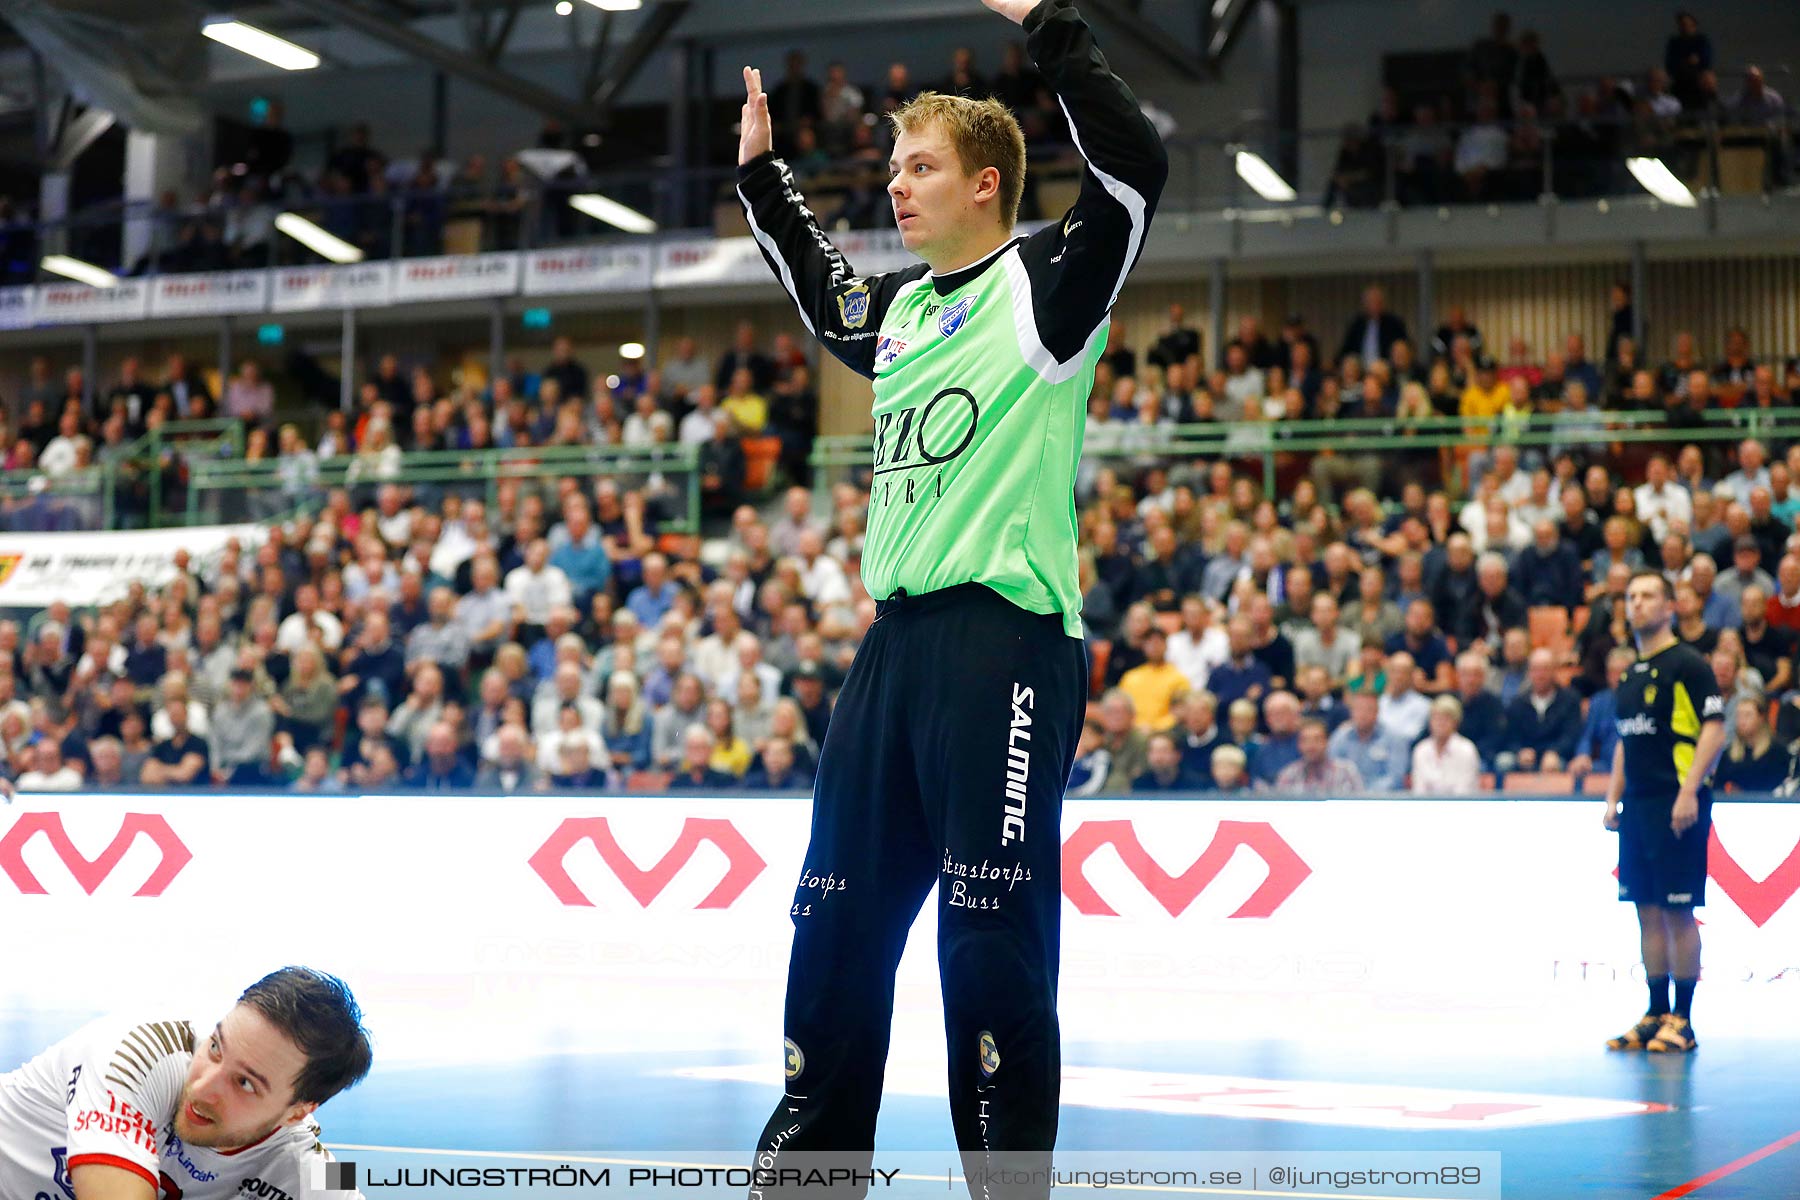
x=225 y=492
x=848 y=458
x=1401 y=166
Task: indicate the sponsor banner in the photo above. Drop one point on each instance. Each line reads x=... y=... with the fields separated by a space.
x=358 y=285
x=214 y=293
x=38 y=569
x=78 y=304
x=708 y=262
x=675 y=915
x=15 y=307
x=587 y=269
x=456 y=277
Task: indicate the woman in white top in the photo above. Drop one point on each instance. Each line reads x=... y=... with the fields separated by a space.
x=1446 y=763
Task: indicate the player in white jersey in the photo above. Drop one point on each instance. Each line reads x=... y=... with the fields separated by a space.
x=148 y=1107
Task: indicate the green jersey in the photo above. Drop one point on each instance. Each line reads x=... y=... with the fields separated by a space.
x=981 y=375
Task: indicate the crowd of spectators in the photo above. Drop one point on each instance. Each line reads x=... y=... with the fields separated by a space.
x=754 y=397
x=1356 y=629
x=1492 y=138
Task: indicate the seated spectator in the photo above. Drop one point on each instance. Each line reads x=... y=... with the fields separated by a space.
x=1229 y=773
x=776 y=769
x=1327 y=644
x=808 y=686
x=307 y=703
x=511 y=771
x=1093 y=762
x=1425 y=647
x=1198 y=734
x=1371 y=615
x=1200 y=644
x=1754 y=760
x=179 y=760
x=1155 y=685
x=1315 y=770
x=1736 y=678
x=1445 y=763
x=1543 y=722
x=1746 y=572
x=1600 y=735
x=1404 y=709
x=1123 y=741
x=413 y=718
x=668 y=724
x=577 y=550
x=1318 y=699
x=1166 y=771
x=731 y=753
x=695 y=769
x=747 y=409
x=442 y=640
x=242 y=734
x=1243 y=676
x=108 y=755
x=1783 y=609
x=1548 y=571
x=315 y=773
x=576 y=772
x=1766 y=648
x=624 y=724
x=441 y=768
x=48 y=772
x=1281 y=745
x=1379 y=755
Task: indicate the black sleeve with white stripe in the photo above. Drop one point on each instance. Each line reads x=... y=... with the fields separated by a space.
x=839 y=308
x=1078 y=265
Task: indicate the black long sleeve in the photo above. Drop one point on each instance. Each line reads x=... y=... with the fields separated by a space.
x=840 y=308
x=1078 y=265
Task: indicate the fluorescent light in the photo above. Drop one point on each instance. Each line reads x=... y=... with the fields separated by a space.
x=632 y=350
x=564 y=8
x=1660 y=182
x=80 y=272
x=617 y=5
x=327 y=245
x=1262 y=178
x=612 y=212
x=258 y=43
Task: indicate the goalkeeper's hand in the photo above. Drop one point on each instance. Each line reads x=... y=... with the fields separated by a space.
x=753 y=129
x=1012 y=10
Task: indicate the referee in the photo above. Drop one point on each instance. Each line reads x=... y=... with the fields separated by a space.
x=1671 y=722
x=956 y=729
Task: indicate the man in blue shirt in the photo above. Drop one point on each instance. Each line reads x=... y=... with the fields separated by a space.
x=1243 y=676
x=1381 y=757
x=652 y=599
x=576 y=548
x=1601 y=734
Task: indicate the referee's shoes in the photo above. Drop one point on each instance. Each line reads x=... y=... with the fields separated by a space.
x=1640 y=1035
x=1675 y=1037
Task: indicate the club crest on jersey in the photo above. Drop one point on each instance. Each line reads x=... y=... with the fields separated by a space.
x=956 y=316
x=887 y=349
x=853 y=306
x=1650 y=694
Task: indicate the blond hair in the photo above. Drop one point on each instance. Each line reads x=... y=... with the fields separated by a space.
x=984 y=133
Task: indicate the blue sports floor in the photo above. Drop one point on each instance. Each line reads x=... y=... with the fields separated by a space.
x=1704 y=1113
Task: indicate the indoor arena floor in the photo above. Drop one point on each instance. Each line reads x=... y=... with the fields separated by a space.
x=1568 y=1119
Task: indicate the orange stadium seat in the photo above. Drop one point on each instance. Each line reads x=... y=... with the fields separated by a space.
x=1550 y=628
x=647 y=781
x=1101 y=651
x=1547 y=783
x=1594 y=783
x=760 y=457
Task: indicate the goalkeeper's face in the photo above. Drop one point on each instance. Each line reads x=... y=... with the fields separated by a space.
x=938 y=205
x=240 y=1086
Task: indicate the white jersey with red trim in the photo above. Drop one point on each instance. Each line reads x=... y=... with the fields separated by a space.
x=107 y=1094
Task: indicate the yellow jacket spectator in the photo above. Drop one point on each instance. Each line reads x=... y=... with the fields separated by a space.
x=1154 y=685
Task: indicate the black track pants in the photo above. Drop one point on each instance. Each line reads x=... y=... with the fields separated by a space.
x=945 y=763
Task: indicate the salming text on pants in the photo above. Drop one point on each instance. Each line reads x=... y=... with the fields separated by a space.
x=945 y=763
